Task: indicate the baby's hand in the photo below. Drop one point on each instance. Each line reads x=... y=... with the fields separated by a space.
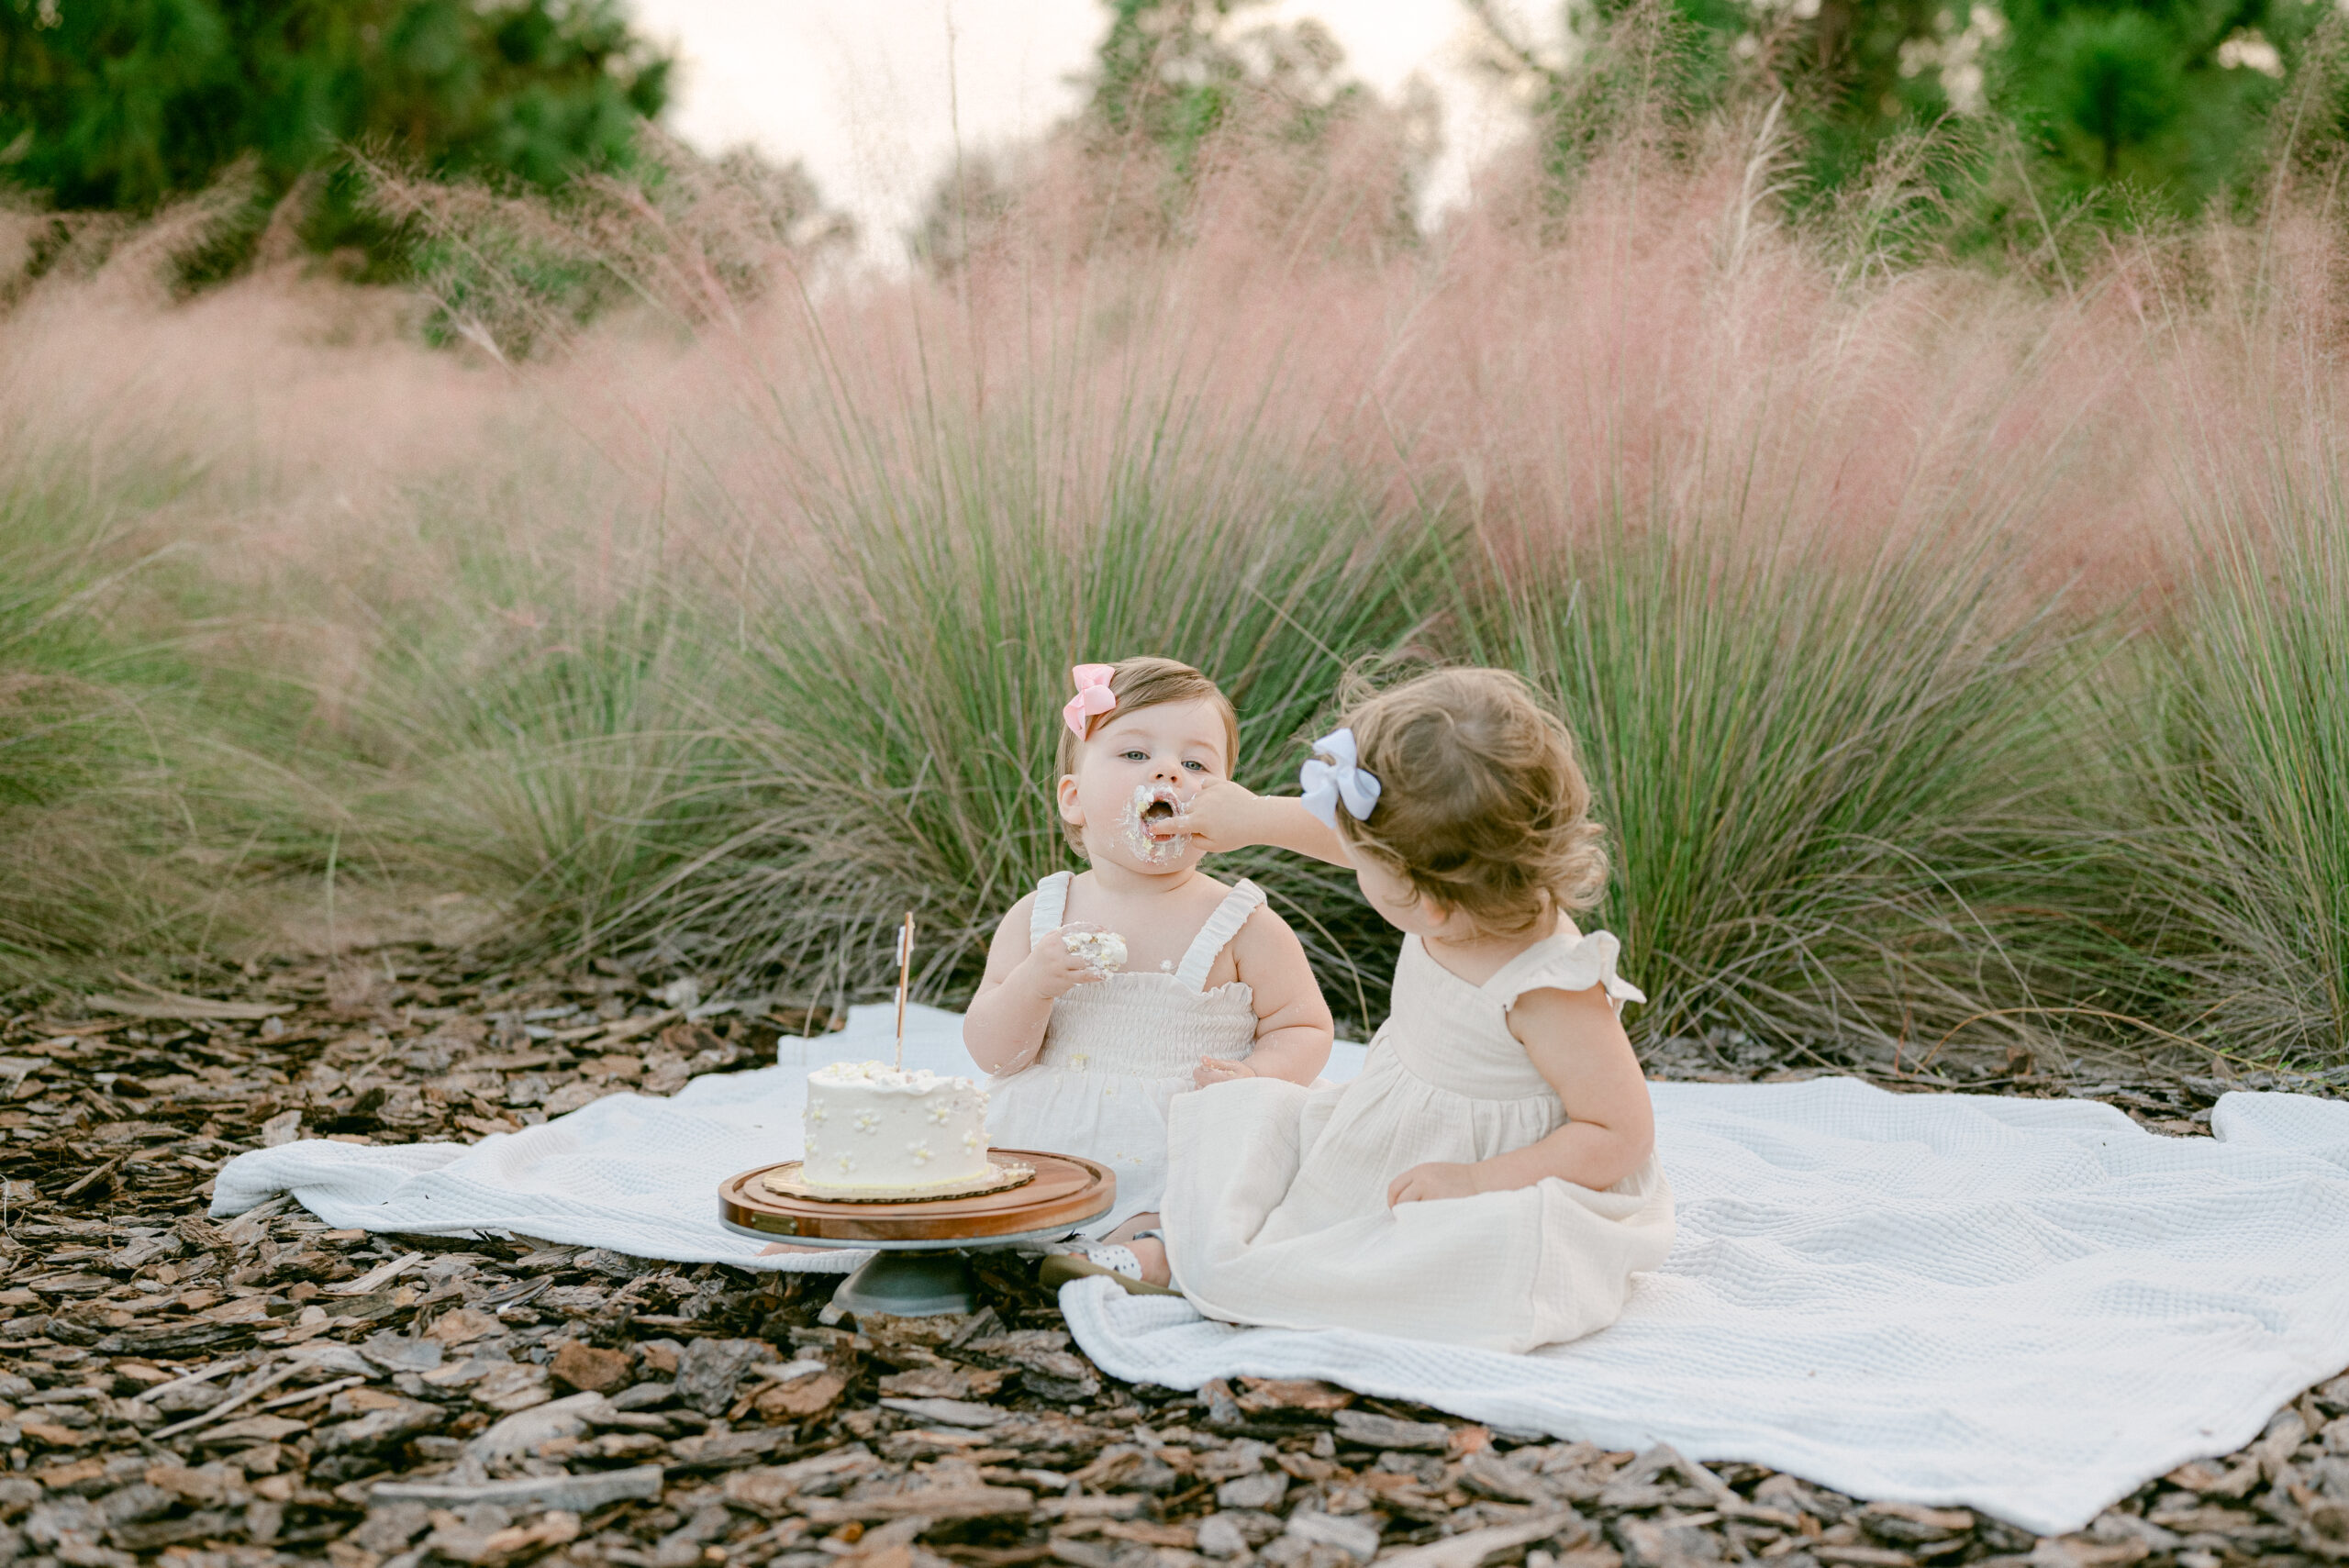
x=1436 y=1179
x=1213 y=1069
x=1052 y=970
x=1218 y=819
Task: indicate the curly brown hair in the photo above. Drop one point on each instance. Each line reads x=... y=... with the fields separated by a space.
x=1145 y=682
x=1481 y=804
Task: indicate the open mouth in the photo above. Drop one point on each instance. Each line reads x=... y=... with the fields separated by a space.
x=1149 y=820
x=1159 y=805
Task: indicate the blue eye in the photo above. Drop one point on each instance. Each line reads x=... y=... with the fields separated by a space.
x=1135 y=756
x=1196 y=767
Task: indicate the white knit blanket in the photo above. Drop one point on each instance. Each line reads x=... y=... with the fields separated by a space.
x=2028 y=1307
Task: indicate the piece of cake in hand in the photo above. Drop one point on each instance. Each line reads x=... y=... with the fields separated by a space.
x=1104 y=951
x=873 y=1127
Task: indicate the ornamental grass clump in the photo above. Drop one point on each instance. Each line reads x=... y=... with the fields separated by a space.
x=2238 y=736
x=893 y=681
x=1934 y=699
x=1826 y=780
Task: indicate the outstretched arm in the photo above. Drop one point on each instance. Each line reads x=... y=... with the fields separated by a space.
x=1579 y=1047
x=1226 y=816
x=1005 y=1026
x=1293 y=1027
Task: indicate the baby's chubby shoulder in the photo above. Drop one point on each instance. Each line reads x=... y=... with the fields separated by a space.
x=1267 y=957
x=1011 y=932
x=1263 y=936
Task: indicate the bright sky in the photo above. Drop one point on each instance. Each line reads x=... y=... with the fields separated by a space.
x=871 y=94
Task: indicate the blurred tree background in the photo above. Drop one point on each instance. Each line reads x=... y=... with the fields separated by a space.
x=1178 y=84
x=2119 y=110
x=1175 y=71
x=122 y=105
x=2128 y=110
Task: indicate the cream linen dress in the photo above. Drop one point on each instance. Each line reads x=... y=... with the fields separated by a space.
x=1117 y=1051
x=1275 y=1208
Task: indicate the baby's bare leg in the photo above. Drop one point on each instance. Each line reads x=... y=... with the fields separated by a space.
x=1131 y=1227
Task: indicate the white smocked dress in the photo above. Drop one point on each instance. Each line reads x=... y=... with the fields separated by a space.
x=1117 y=1051
x=1275 y=1204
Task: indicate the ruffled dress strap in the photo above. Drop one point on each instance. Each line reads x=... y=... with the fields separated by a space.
x=1051 y=908
x=1565 y=964
x=1221 y=927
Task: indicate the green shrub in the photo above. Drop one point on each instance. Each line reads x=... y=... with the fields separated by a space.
x=1828 y=779
x=2237 y=730
x=896 y=687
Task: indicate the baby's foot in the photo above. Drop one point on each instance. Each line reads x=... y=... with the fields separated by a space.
x=1138 y=1266
x=1151 y=1256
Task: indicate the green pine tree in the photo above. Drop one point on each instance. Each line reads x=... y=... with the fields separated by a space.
x=2168 y=98
x=2129 y=104
x=121 y=105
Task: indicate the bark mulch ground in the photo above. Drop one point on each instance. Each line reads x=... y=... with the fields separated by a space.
x=269 y=1390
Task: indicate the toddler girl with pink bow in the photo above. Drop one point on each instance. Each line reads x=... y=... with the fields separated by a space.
x=1108 y=992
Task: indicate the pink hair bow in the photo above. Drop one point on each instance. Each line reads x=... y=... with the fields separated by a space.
x=1093 y=696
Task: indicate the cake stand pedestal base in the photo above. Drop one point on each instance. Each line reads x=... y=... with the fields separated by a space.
x=909 y=1284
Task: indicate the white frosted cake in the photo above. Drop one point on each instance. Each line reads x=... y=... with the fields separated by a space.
x=871 y=1127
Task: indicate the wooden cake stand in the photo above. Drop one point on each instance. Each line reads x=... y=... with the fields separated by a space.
x=917 y=1270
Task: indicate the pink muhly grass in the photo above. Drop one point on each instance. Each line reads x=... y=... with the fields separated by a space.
x=567 y=617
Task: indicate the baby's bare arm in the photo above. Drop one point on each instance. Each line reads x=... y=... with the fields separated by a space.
x=1225 y=816
x=1578 y=1046
x=1293 y=1027
x=1006 y=1024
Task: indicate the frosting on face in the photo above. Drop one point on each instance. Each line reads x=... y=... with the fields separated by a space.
x=1151 y=802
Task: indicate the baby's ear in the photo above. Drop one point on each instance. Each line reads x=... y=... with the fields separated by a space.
x=1071 y=812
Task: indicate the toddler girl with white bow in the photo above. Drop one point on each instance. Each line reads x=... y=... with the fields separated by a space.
x=1490 y=1179
x=1108 y=993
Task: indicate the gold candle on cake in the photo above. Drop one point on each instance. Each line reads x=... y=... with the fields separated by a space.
x=905 y=978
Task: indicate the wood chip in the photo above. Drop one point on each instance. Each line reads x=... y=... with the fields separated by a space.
x=1475 y=1547
x=1371 y=1430
x=1304 y=1394
x=1869 y=1556
x=252 y=1391
x=172 y=1005
x=576 y=1494
x=461 y=1327
x=930 y=1503
x=948 y=1412
x=253 y=1430
x=379 y=1276
x=1118 y=1505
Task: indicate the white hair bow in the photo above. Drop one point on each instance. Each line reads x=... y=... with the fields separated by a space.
x=1341 y=778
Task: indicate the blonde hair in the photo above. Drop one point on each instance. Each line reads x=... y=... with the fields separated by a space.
x=1145 y=682
x=1482 y=806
